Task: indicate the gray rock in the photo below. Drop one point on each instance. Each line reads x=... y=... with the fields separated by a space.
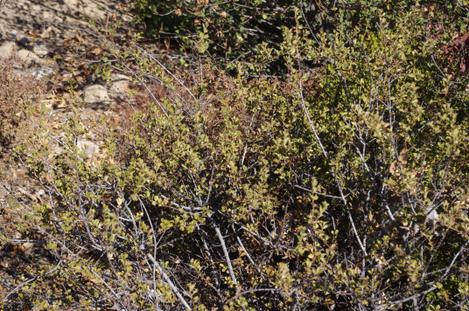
x=40 y=50
x=95 y=95
x=7 y=49
x=42 y=72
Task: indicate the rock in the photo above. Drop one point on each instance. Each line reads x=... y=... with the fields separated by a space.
x=119 y=86
x=88 y=147
x=7 y=49
x=42 y=72
x=28 y=57
x=88 y=9
x=71 y=5
x=48 y=16
x=95 y=95
x=94 y=11
x=40 y=50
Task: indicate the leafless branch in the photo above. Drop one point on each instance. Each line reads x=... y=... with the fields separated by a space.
x=227 y=257
x=170 y=283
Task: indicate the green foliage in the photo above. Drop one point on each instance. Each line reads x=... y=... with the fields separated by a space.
x=232 y=29
x=339 y=185
x=225 y=27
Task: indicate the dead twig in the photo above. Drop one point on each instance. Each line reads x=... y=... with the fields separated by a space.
x=170 y=283
x=227 y=257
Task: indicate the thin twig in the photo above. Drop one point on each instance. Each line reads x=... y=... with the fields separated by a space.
x=225 y=251
x=170 y=283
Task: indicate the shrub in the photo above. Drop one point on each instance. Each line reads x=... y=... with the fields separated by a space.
x=232 y=29
x=17 y=94
x=342 y=186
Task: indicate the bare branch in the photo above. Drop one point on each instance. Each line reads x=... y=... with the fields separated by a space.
x=170 y=283
x=225 y=251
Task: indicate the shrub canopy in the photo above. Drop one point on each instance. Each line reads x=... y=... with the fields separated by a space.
x=338 y=182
